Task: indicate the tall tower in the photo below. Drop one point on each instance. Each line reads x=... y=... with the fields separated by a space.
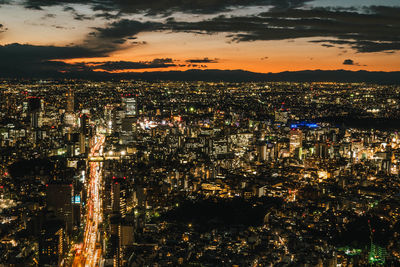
x=70 y=101
x=130 y=106
x=69 y=118
x=83 y=133
x=296 y=139
x=35 y=111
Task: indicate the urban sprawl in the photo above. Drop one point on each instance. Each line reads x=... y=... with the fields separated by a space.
x=135 y=173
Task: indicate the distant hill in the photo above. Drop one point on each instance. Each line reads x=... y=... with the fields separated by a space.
x=228 y=75
x=246 y=76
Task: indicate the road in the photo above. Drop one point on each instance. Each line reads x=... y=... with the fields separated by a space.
x=89 y=253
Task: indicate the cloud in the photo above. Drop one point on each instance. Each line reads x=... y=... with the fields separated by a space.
x=167 y=7
x=2 y=28
x=204 y=60
x=25 y=52
x=351 y=62
x=31 y=60
x=114 y=35
x=376 y=29
x=76 y=14
x=47 y=61
x=127 y=65
x=364 y=46
x=379 y=31
x=124 y=28
x=348 y=62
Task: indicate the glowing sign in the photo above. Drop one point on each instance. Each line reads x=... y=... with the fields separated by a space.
x=304 y=124
x=76 y=199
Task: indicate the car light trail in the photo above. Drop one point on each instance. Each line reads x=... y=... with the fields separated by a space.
x=91 y=254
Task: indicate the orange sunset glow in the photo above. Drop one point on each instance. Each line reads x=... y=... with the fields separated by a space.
x=256 y=38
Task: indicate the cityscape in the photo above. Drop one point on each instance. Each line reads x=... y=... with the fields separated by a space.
x=199 y=174
x=199 y=133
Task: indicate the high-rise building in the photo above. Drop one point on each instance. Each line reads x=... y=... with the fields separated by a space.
x=35 y=111
x=130 y=106
x=281 y=116
x=115 y=227
x=262 y=151
x=69 y=117
x=118 y=196
x=51 y=243
x=59 y=199
x=83 y=133
x=296 y=139
x=70 y=101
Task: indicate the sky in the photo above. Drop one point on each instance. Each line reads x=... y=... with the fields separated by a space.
x=46 y=37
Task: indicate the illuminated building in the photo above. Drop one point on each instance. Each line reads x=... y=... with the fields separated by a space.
x=281 y=116
x=296 y=139
x=130 y=106
x=69 y=117
x=83 y=133
x=51 y=243
x=59 y=199
x=377 y=254
x=118 y=196
x=115 y=225
x=35 y=107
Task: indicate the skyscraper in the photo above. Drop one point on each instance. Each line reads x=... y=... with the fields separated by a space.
x=59 y=198
x=70 y=101
x=35 y=112
x=83 y=133
x=51 y=243
x=69 y=118
x=296 y=139
x=130 y=106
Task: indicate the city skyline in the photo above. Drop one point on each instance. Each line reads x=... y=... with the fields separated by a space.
x=199 y=133
x=46 y=37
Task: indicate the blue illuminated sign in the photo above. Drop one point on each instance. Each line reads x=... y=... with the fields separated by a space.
x=76 y=199
x=304 y=124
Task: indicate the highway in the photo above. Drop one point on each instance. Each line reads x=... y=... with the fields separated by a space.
x=89 y=253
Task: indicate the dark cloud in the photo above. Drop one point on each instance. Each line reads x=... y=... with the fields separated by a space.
x=348 y=62
x=76 y=14
x=383 y=10
x=124 y=28
x=34 y=60
x=203 y=60
x=2 y=28
x=46 y=61
x=108 y=15
x=166 y=7
x=364 y=46
x=127 y=65
x=351 y=62
x=375 y=32
x=49 y=16
x=115 y=34
x=377 y=29
x=24 y=52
